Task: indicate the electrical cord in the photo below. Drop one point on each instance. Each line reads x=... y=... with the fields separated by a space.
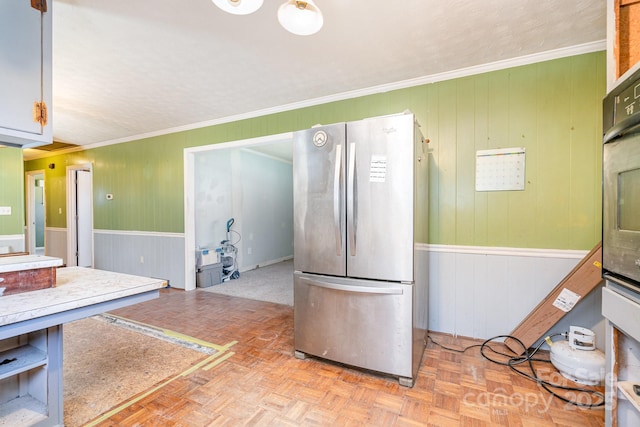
x=527 y=357
x=239 y=237
x=229 y=242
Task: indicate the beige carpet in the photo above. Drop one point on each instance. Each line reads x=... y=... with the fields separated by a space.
x=273 y=283
x=105 y=365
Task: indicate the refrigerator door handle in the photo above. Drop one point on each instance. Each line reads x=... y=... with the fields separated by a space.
x=337 y=199
x=351 y=190
x=352 y=288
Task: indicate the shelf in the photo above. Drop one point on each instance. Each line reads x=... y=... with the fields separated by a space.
x=626 y=387
x=27 y=357
x=23 y=411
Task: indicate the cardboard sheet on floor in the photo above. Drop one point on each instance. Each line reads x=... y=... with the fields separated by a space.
x=576 y=285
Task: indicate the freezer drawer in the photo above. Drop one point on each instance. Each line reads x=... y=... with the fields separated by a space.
x=366 y=324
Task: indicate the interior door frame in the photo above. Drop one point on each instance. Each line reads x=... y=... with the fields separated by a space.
x=30 y=245
x=72 y=197
x=190 y=196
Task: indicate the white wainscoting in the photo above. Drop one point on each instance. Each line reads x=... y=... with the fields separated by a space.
x=141 y=253
x=55 y=243
x=11 y=243
x=478 y=292
x=482 y=292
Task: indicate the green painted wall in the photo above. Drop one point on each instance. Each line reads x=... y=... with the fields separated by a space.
x=55 y=187
x=553 y=109
x=12 y=191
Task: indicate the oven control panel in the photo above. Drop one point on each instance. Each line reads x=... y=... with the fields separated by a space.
x=621 y=106
x=627 y=103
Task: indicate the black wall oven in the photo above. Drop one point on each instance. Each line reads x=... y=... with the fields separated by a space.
x=621 y=184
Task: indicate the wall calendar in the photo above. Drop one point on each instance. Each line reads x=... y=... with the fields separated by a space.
x=500 y=169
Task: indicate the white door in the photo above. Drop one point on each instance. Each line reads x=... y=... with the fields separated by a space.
x=84 y=220
x=35 y=212
x=79 y=216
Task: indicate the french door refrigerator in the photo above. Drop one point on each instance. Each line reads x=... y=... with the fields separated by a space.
x=360 y=212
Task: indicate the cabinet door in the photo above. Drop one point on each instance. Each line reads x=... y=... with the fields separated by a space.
x=380 y=195
x=25 y=73
x=318 y=199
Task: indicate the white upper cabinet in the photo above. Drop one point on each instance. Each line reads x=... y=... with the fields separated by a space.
x=25 y=73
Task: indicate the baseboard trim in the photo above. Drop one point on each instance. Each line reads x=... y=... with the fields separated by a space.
x=265 y=263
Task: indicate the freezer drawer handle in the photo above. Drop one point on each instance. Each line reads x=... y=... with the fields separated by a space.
x=351 y=195
x=351 y=288
x=336 y=200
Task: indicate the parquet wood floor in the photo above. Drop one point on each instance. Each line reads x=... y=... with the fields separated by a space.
x=258 y=382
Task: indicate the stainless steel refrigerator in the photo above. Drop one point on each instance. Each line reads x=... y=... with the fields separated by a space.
x=360 y=214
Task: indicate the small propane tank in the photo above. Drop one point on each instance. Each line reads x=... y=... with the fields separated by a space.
x=577 y=358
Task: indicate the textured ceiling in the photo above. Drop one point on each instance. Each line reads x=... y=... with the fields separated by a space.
x=123 y=68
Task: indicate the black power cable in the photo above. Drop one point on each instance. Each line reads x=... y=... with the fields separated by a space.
x=237 y=234
x=527 y=357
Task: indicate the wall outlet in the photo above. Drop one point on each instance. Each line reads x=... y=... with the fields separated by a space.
x=248 y=251
x=5 y=210
x=141 y=259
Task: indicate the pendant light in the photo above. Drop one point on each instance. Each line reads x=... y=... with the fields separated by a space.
x=239 y=7
x=300 y=17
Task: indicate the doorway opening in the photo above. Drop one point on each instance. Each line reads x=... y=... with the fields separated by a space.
x=190 y=203
x=35 y=213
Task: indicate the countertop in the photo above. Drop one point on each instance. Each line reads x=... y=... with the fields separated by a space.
x=76 y=287
x=27 y=262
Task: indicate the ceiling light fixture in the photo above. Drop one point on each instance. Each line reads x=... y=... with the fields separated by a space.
x=239 y=7
x=300 y=17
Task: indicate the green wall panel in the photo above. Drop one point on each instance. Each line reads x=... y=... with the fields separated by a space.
x=498 y=137
x=465 y=122
x=446 y=162
x=430 y=131
x=553 y=109
x=481 y=142
x=585 y=126
x=522 y=132
x=145 y=178
x=12 y=191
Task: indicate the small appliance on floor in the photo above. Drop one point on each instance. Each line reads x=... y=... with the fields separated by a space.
x=228 y=254
x=208 y=268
